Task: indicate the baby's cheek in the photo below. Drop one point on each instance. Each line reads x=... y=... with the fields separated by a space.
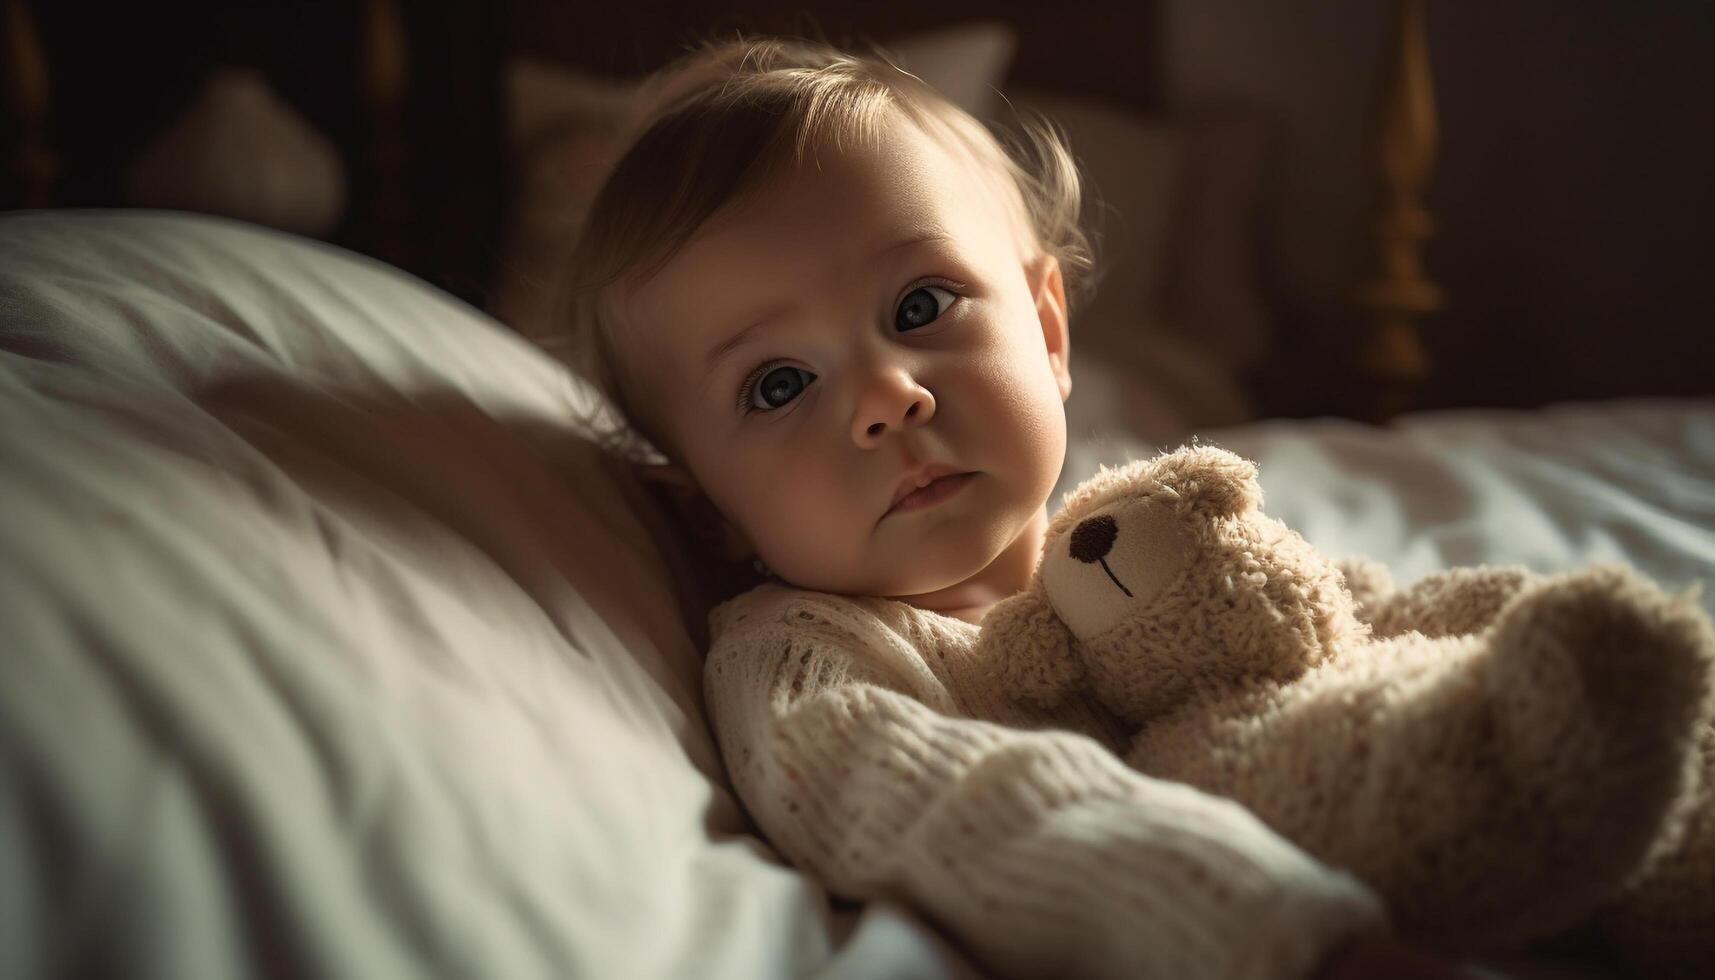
x=803 y=526
x=1020 y=387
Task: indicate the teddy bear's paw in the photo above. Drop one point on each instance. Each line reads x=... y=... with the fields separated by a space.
x=1454 y=602
x=1664 y=923
x=1030 y=647
x=1370 y=583
x=1665 y=936
x=1599 y=683
x=1605 y=663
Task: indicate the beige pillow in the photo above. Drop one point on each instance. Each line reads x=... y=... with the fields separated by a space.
x=242 y=151
x=1215 y=293
x=1177 y=316
x=565 y=129
x=1131 y=166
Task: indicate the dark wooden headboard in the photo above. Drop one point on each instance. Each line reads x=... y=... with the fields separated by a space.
x=1089 y=47
x=408 y=93
x=412 y=96
x=411 y=93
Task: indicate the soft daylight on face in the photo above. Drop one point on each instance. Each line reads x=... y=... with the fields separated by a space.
x=862 y=367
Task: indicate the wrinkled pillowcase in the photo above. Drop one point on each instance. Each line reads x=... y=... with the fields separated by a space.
x=321 y=620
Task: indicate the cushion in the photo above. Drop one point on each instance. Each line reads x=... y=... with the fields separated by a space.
x=1177 y=317
x=1217 y=292
x=331 y=649
x=241 y=151
x=1132 y=169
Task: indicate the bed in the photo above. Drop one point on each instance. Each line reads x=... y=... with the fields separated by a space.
x=330 y=646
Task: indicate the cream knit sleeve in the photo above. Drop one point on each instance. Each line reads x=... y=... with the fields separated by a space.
x=1039 y=850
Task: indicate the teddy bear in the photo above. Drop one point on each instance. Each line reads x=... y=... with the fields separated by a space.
x=1504 y=757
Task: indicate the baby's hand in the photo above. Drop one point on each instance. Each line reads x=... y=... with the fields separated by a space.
x=1385 y=956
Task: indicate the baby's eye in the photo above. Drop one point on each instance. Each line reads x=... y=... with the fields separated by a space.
x=776 y=388
x=921 y=307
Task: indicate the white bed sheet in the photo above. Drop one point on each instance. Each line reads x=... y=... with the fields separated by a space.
x=1551 y=489
x=337 y=671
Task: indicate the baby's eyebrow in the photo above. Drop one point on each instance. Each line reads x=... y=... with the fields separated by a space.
x=736 y=340
x=727 y=346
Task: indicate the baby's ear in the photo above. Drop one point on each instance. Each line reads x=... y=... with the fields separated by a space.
x=1210 y=478
x=675 y=484
x=1048 y=291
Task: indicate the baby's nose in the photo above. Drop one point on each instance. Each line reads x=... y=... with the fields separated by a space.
x=890 y=404
x=1093 y=538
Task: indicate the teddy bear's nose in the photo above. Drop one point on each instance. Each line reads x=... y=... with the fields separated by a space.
x=1093 y=538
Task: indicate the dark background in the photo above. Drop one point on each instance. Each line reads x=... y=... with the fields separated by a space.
x=1576 y=192
x=120 y=73
x=1572 y=188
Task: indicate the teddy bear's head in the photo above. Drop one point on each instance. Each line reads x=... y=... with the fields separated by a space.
x=1164 y=577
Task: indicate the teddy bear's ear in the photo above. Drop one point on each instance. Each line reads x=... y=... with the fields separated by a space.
x=1210 y=478
x=1026 y=642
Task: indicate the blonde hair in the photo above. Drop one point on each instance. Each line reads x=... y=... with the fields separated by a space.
x=717 y=124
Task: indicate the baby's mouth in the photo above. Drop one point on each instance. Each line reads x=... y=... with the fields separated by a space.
x=927 y=489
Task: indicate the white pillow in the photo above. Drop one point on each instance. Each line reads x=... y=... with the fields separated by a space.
x=1160 y=349
x=330 y=649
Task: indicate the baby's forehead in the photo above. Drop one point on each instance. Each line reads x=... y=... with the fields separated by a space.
x=848 y=191
x=927 y=158
x=849 y=210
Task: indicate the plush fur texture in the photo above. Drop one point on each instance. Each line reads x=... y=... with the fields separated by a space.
x=1503 y=756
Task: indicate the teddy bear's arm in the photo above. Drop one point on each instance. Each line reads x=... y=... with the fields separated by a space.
x=1454 y=602
x=1032 y=648
x=1494 y=786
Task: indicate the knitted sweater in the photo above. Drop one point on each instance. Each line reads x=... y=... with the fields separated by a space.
x=879 y=755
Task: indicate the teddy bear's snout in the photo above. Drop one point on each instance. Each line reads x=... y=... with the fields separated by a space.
x=1110 y=564
x=1092 y=539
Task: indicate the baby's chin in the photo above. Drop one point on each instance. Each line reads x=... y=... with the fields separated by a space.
x=896 y=577
x=936 y=562
x=919 y=555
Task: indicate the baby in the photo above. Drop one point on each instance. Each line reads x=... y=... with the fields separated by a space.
x=839 y=308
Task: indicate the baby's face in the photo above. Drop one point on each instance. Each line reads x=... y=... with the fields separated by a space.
x=840 y=338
